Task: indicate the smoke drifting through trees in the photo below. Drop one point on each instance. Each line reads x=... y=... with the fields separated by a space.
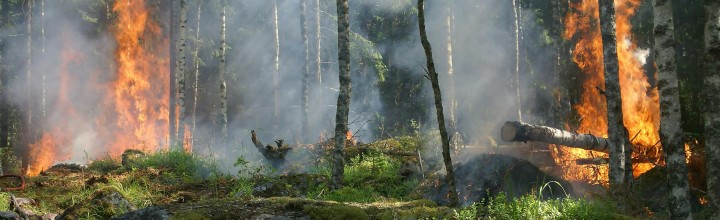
x=392 y=98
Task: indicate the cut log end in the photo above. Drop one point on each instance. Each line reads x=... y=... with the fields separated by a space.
x=509 y=131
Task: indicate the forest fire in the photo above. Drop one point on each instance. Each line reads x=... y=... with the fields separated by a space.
x=133 y=111
x=640 y=99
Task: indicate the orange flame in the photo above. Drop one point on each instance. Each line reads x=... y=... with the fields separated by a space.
x=640 y=100
x=134 y=112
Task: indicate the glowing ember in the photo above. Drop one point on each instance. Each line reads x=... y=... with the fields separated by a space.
x=640 y=100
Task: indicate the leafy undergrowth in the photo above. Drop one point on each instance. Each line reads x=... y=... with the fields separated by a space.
x=192 y=187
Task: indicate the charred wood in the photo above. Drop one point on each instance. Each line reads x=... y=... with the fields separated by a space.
x=514 y=131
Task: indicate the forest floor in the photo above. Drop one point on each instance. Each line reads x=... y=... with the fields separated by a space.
x=178 y=185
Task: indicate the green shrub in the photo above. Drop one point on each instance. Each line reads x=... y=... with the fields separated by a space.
x=104 y=165
x=530 y=207
x=335 y=212
x=182 y=165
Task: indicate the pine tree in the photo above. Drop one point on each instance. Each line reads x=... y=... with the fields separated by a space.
x=343 y=101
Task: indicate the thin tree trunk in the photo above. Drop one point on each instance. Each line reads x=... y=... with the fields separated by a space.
x=343 y=101
x=196 y=82
x=180 y=74
x=318 y=58
x=276 y=70
x=671 y=134
x=433 y=75
x=172 y=108
x=557 y=22
x=449 y=23
x=30 y=132
x=306 y=71
x=712 y=104
x=516 y=74
x=620 y=174
x=223 y=88
x=42 y=52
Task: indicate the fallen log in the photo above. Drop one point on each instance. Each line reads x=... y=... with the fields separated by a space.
x=513 y=131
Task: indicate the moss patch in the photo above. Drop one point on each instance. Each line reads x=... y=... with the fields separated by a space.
x=335 y=212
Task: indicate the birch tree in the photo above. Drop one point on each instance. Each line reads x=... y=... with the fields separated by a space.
x=30 y=132
x=449 y=24
x=318 y=58
x=180 y=74
x=712 y=104
x=196 y=82
x=276 y=70
x=223 y=89
x=433 y=76
x=516 y=73
x=306 y=71
x=620 y=174
x=343 y=101
x=670 y=130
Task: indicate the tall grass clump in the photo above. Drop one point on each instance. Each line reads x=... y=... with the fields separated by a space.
x=180 y=164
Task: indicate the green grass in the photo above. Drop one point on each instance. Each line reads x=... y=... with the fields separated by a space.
x=181 y=165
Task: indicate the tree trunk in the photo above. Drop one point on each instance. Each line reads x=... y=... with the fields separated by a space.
x=516 y=74
x=42 y=52
x=671 y=134
x=433 y=75
x=306 y=72
x=172 y=107
x=223 y=88
x=276 y=70
x=449 y=23
x=196 y=82
x=318 y=58
x=620 y=174
x=343 y=101
x=180 y=74
x=712 y=104
x=518 y=131
x=29 y=128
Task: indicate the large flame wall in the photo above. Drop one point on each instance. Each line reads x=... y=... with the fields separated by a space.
x=133 y=110
x=640 y=100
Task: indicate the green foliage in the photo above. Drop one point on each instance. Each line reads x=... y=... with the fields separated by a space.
x=367 y=53
x=371 y=177
x=335 y=212
x=182 y=165
x=531 y=207
x=104 y=165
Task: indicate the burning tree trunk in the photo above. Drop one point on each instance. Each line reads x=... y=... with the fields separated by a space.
x=620 y=174
x=433 y=76
x=671 y=134
x=343 y=101
x=306 y=71
x=276 y=70
x=180 y=75
x=712 y=104
x=518 y=131
x=223 y=90
x=196 y=82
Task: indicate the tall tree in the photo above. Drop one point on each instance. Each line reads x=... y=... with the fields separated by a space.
x=318 y=58
x=306 y=71
x=30 y=132
x=712 y=104
x=671 y=133
x=620 y=174
x=223 y=88
x=276 y=70
x=180 y=74
x=196 y=82
x=172 y=107
x=433 y=75
x=343 y=101
x=516 y=72
x=449 y=24
x=42 y=52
